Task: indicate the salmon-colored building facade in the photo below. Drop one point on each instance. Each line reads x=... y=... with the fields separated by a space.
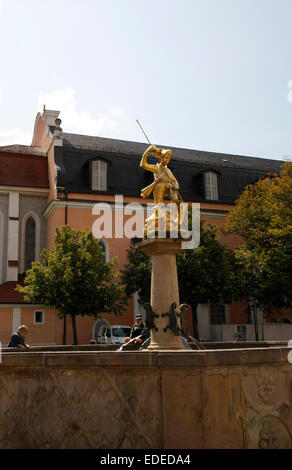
x=59 y=179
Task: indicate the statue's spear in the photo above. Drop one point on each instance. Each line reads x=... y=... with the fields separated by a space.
x=151 y=144
x=143 y=131
x=156 y=154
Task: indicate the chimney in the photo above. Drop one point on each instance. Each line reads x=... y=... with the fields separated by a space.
x=50 y=116
x=58 y=133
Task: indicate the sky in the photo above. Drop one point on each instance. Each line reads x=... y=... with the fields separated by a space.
x=213 y=75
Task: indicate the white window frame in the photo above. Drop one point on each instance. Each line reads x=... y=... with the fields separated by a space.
x=98 y=175
x=211 y=185
x=34 y=317
x=218 y=313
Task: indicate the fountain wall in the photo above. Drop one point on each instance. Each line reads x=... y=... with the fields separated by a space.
x=209 y=399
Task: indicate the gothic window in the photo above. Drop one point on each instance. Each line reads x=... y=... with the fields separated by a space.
x=217 y=312
x=211 y=185
x=104 y=246
x=30 y=240
x=98 y=175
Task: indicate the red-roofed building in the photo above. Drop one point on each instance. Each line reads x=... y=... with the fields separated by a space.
x=24 y=189
x=23 y=169
x=8 y=294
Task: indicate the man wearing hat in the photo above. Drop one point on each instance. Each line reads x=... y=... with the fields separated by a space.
x=138 y=329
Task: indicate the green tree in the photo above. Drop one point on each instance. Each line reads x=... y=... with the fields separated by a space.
x=262 y=216
x=136 y=275
x=207 y=274
x=75 y=278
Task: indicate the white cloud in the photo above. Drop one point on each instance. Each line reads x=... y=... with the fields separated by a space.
x=14 y=136
x=290 y=92
x=81 y=122
x=107 y=124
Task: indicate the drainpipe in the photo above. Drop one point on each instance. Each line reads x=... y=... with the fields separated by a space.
x=66 y=207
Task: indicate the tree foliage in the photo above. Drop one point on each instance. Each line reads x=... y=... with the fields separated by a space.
x=207 y=274
x=136 y=275
x=262 y=216
x=75 y=278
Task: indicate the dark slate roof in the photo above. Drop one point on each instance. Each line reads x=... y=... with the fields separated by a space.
x=126 y=177
x=194 y=156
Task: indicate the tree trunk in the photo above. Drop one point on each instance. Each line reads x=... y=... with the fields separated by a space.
x=64 y=329
x=195 y=321
x=75 y=339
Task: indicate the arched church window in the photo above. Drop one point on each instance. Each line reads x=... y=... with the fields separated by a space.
x=30 y=240
x=104 y=246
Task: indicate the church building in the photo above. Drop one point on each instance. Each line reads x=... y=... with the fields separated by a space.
x=59 y=178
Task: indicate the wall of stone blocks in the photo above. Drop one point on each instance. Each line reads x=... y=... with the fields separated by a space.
x=148 y=400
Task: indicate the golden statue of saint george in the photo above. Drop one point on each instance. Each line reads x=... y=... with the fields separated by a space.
x=164 y=184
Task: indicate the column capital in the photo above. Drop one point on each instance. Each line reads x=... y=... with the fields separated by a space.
x=160 y=246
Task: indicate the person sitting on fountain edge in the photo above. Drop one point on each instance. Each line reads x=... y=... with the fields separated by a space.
x=138 y=329
x=17 y=339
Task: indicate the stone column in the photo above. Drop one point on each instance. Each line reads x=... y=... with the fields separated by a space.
x=164 y=288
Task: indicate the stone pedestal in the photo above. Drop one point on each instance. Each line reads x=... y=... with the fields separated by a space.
x=164 y=288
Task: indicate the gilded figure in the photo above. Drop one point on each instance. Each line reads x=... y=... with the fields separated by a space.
x=164 y=184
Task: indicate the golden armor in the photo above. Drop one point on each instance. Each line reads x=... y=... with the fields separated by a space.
x=164 y=185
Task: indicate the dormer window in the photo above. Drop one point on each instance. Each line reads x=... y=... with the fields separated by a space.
x=98 y=175
x=211 y=185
